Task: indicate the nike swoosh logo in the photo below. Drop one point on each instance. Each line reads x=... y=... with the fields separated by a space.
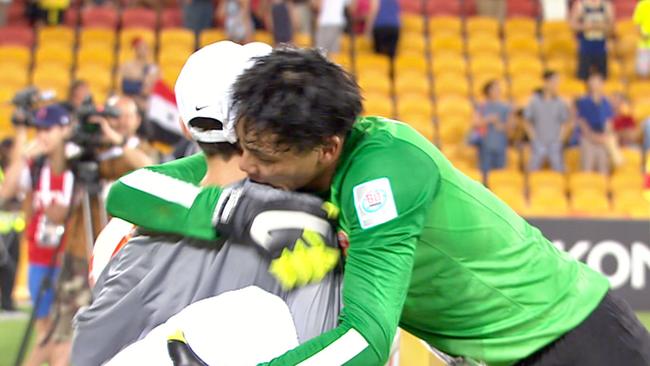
x=199 y=108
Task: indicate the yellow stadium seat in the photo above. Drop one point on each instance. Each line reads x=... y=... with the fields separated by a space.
x=177 y=37
x=524 y=85
x=56 y=79
x=520 y=25
x=412 y=42
x=572 y=159
x=54 y=55
x=419 y=105
x=409 y=63
x=631 y=160
x=631 y=203
x=521 y=45
x=482 y=25
x=445 y=24
x=95 y=56
x=613 y=86
x=412 y=23
x=615 y=69
x=98 y=78
x=214 y=35
x=128 y=35
x=626 y=46
x=446 y=43
x=565 y=46
x=588 y=182
x=483 y=44
x=13 y=77
x=641 y=110
x=449 y=63
x=375 y=82
x=546 y=180
x=512 y=197
x=548 y=203
x=18 y=54
x=502 y=179
x=60 y=36
x=170 y=74
x=302 y=40
x=100 y=37
x=626 y=181
x=173 y=55
x=590 y=203
x=556 y=28
x=373 y=62
x=454 y=107
x=625 y=27
x=571 y=88
x=6 y=94
x=411 y=83
x=525 y=65
x=260 y=36
x=563 y=65
x=447 y=85
x=491 y=65
x=639 y=90
x=453 y=133
x=377 y=105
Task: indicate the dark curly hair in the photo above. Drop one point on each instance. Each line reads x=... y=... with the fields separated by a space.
x=298 y=96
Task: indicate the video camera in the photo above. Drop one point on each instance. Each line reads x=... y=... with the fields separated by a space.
x=26 y=101
x=88 y=133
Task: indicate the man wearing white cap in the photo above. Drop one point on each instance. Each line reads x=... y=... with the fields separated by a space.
x=155 y=276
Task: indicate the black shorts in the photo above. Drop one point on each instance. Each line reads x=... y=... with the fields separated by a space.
x=590 y=63
x=611 y=335
x=385 y=40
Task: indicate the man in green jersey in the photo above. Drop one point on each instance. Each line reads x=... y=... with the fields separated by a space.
x=428 y=249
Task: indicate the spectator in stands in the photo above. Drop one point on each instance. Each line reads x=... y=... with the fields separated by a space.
x=359 y=13
x=282 y=21
x=331 y=21
x=625 y=127
x=136 y=77
x=40 y=169
x=384 y=23
x=48 y=12
x=79 y=94
x=236 y=17
x=492 y=123
x=547 y=123
x=593 y=21
x=642 y=20
x=198 y=15
x=594 y=112
x=492 y=8
x=304 y=15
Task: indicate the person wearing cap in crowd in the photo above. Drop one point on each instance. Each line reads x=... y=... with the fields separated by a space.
x=39 y=169
x=136 y=291
x=137 y=76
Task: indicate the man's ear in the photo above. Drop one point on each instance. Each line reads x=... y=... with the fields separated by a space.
x=186 y=132
x=331 y=149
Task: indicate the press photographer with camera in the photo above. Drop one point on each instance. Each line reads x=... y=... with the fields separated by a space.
x=39 y=168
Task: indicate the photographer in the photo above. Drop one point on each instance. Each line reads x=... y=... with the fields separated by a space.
x=39 y=168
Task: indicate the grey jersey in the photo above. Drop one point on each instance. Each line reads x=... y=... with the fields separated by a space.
x=153 y=278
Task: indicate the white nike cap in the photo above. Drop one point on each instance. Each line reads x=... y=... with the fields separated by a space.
x=204 y=86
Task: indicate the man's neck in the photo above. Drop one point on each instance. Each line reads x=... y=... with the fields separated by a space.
x=222 y=172
x=57 y=161
x=548 y=94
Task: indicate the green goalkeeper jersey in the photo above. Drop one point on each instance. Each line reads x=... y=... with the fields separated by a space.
x=428 y=249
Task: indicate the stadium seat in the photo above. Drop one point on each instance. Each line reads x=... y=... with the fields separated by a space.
x=453 y=133
x=214 y=35
x=512 y=197
x=53 y=55
x=128 y=35
x=546 y=180
x=412 y=350
x=524 y=65
x=410 y=63
x=96 y=56
x=590 y=203
x=411 y=82
x=458 y=108
x=377 y=105
x=99 y=79
x=582 y=182
x=521 y=45
x=412 y=23
x=372 y=62
x=139 y=18
x=97 y=36
x=513 y=159
x=506 y=179
x=449 y=63
x=422 y=123
x=171 y=18
x=639 y=90
x=626 y=46
x=631 y=160
x=547 y=203
x=18 y=55
x=362 y=46
x=555 y=28
x=483 y=44
x=415 y=104
x=375 y=83
x=445 y=25
x=482 y=25
x=99 y=16
x=174 y=56
x=631 y=203
x=176 y=37
x=625 y=181
x=571 y=88
x=451 y=85
x=56 y=36
x=559 y=46
x=520 y=25
x=523 y=86
x=17 y=35
x=170 y=74
x=446 y=43
x=486 y=64
x=572 y=159
x=13 y=77
x=56 y=79
x=614 y=85
x=302 y=40
x=412 y=43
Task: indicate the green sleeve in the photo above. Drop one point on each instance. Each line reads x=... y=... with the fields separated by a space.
x=380 y=257
x=167 y=198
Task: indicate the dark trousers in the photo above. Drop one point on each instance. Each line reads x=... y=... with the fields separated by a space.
x=8 y=265
x=588 y=63
x=385 y=40
x=611 y=335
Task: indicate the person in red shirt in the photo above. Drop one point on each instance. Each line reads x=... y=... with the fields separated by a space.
x=625 y=126
x=39 y=169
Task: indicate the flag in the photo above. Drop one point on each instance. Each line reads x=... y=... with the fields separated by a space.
x=162 y=107
x=646 y=181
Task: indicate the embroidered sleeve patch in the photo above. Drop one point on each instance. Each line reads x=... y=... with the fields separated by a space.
x=374 y=202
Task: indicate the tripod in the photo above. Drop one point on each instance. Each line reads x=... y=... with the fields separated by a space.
x=88 y=186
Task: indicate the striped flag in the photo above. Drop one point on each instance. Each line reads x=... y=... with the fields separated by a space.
x=162 y=107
